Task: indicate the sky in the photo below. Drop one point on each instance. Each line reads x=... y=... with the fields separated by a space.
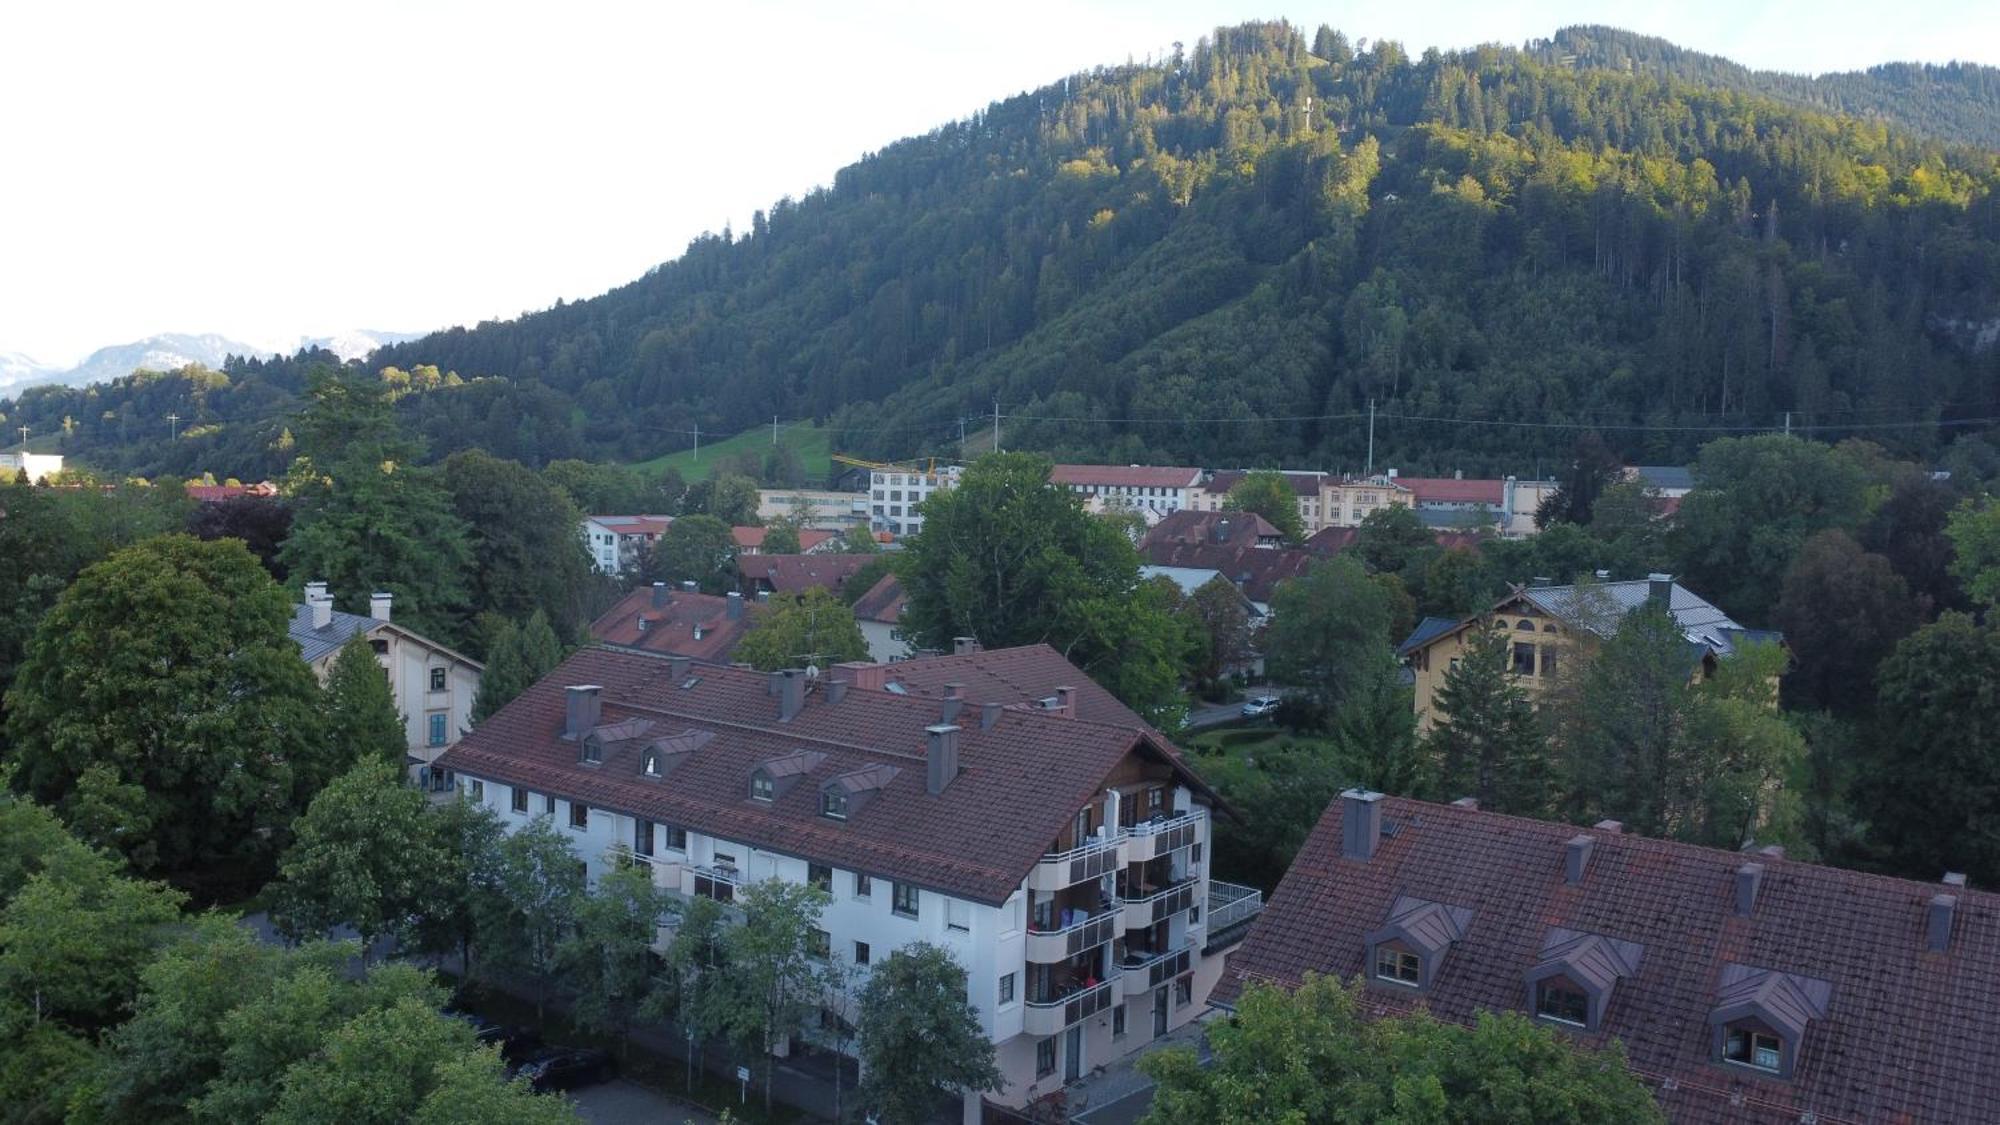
x=271 y=170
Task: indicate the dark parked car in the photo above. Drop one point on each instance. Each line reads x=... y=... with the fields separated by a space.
x=555 y=1068
x=516 y=1043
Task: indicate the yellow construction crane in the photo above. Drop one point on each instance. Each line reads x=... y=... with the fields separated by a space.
x=929 y=465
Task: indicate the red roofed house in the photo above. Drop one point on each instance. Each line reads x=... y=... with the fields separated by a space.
x=681 y=622
x=1061 y=858
x=620 y=544
x=1748 y=989
x=878 y=612
x=1206 y=528
x=1150 y=489
x=217 y=493
x=789 y=574
x=750 y=540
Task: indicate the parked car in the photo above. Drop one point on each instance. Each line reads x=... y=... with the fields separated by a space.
x=515 y=1043
x=1260 y=705
x=556 y=1068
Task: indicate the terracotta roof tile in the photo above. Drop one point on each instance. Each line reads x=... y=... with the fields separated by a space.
x=752 y=538
x=636 y=622
x=1125 y=476
x=1205 y=528
x=1451 y=490
x=1906 y=1035
x=790 y=574
x=883 y=602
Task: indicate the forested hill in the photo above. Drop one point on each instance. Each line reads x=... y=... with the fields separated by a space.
x=1954 y=102
x=1222 y=257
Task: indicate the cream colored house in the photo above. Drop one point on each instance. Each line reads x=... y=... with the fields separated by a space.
x=1345 y=502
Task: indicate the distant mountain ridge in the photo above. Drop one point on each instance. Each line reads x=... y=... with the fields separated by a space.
x=1957 y=102
x=170 y=351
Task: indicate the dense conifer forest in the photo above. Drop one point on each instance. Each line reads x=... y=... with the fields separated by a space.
x=1225 y=256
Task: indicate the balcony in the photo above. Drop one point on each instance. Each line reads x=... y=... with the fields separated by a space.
x=1050 y=947
x=1155 y=905
x=1093 y=860
x=1152 y=838
x=1145 y=972
x=1230 y=904
x=1048 y=1017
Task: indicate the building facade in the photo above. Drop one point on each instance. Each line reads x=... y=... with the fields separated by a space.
x=1346 y=501
x=620 y=544
x=433 y=686
x=895 y=493
x=1062 y=860
x=1147 y=489
x=38 y=466
x=1306 y=487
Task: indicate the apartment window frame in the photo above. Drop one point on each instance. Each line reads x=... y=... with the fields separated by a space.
x=549 y=805
x=862 y=953
x=819 y=944
x=1751 y=1042
x=1523 y=659
x=676 y=838
x=476 y=790
x=1008 y=994
x=819 y=875
x=1392 y=962
x=1183 y=990
x=519 y=801
x=957 y=916
x=763 y=789
x=579 y=816
x=642 y=836
x=1045 y=1057
x=437 y=728
x=905 y=900
x=440 y=678
x=864 y=886
x=833 y=804
x=1559 y=1001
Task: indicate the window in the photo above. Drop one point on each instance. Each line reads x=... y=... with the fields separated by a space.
x=549 y=805
x=1759 y=1049
x=1398 y=966
x=437 y=720
x=833 y=804
x=1045 y=1057
x=761 y=788
x=819 y=945
x=902 y=898
x=478 y=790
x=520 y=799
x=1118 y=1022
x=1557 y=1000
x=649 y=763
x=863 y=885
x=437 y=679
x=1184 y=991
x=1548 y=660
x=1082 y=826
x=1157 y=797
x=642 y=837
x=593 y=750
x=1007 y=989
x=820 y=876
x=958 y=915
x=579 y=815
x=677 y=837
x=1194 y=854
x=1524 y=660
x=861 y=953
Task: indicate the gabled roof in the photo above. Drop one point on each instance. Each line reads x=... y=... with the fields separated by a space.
x=1009 y=675
x=1429 y=926
x=789 y=574
x=1210 y=528
x=635 y=622
x=1599 y=608
x=634 y=525
x=1125 y=476
x=1021 y=779
x=1427 y=630
x=1330 y=541
x=752 y=538
x=1905 y=1034
x=1256 y=570
x=1786 y=1001
x=1453 y=490
x=883 y=602
x=1587 y=959
x=316 y=645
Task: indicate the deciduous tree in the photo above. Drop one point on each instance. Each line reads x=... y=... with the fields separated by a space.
x=792 y=630
x=363 y=854
x=608 y=961
x=1329 y=631
x=920 y=1040
x=1268 y=494
x=528 y=555
x=538 y=888
x=1842 y=610
x=774 y=966
x=696 y=548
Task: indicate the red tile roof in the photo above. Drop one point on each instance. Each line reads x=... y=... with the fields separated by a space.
x=217 y=493
x=1020 y=781
x=635 y=622
x=752 y=538
x=1008 y=675
x=1125 y=476
x=1256 y=570
x=636 y=525
x=789 y=574
x=1330 y=541
x=883 y=602
x=1450 y=490
x=1210 y=527
x=1908 y=1035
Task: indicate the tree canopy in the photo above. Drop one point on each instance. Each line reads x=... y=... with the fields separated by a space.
x=792 y=630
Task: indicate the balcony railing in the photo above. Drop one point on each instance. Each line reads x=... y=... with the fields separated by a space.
x=1093 y=859
x=1151 y=838
x=1146 y=909
x=1047 y=1017
x=1230 y=903
x=1146 y=972
x=1052 y=946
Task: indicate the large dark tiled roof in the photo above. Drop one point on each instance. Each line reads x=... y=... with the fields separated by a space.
x=689 y=624
x=1893 y=1032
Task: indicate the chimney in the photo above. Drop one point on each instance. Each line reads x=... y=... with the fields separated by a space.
x=735 y=606
x=689 y=586
x=1942 y=907
x=763 y=597
x=316 y=592
x=1458 y=474
x=954 y=690
x=1576 y=858
x=1954 y=879
x=1469 y=803
x=771 y=681
x=644 y=622
x=1360 y=823
x=583 y=710
x=989 y=713
x=1066 y=701
x=941 y=756
x=322 y=609
x=952 y=706
x=380 y=604
x=1660 y=590
x=791 y=694
x=1614 y=827
x=866 y=675
x=964 y=646
x=659 y=594
x=677 y=668
x=836 y=690
x=1748 y=878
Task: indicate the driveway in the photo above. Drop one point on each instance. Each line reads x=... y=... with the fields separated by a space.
x=622 y=1102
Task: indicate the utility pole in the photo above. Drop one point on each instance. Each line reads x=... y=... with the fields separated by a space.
x=961 y=435
x=1371 y=439
x=996 y=423
x=774 y=429
x=697 y=441
x=173 y=427
x=1788 y=423
x=24 y=437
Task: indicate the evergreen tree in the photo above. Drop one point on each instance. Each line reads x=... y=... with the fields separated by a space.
x=361 y=720
x=1487 y=742
x=523 y=535
x=516 y=657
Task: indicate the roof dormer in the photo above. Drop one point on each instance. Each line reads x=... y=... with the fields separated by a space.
x=602 y=740
x=1760 y=1017
x=1409 y=948
x=845 y=796
x=774 y=778
x=1572 y=981
x=664 y=755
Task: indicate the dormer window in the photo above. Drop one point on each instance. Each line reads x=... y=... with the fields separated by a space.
x=1759 y=1049
x=833 y=804
x=762 y=788
x=1761 y=1016
x=1563 y=1002
x=593 y=750
x=649 y=763
x=1398 y=966
x=1573 y=981
x=1408 y=951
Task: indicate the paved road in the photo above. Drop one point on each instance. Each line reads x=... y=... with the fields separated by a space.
x=1213 y=715
x=627 y=1103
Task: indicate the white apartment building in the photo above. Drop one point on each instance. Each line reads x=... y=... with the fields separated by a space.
x=1148 y=489
x=433 y=686
x=894 y=493
x=620 y=544
x=38 y=466
x=1059 y=852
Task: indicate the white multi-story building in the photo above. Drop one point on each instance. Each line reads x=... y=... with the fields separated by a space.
x=620 y=544
x=894 y=493
x=1056 y=846
x=38 y=466
x=433 y=686
x=1148 y=489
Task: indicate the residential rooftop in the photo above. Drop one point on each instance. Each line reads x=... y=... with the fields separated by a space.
x=1125 y=476
x=683 y=622
x=791 y=574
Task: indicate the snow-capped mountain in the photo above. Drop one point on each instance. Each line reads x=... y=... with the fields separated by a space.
x=172 y=350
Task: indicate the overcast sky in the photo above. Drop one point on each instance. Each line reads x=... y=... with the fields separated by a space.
x=265 y=170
